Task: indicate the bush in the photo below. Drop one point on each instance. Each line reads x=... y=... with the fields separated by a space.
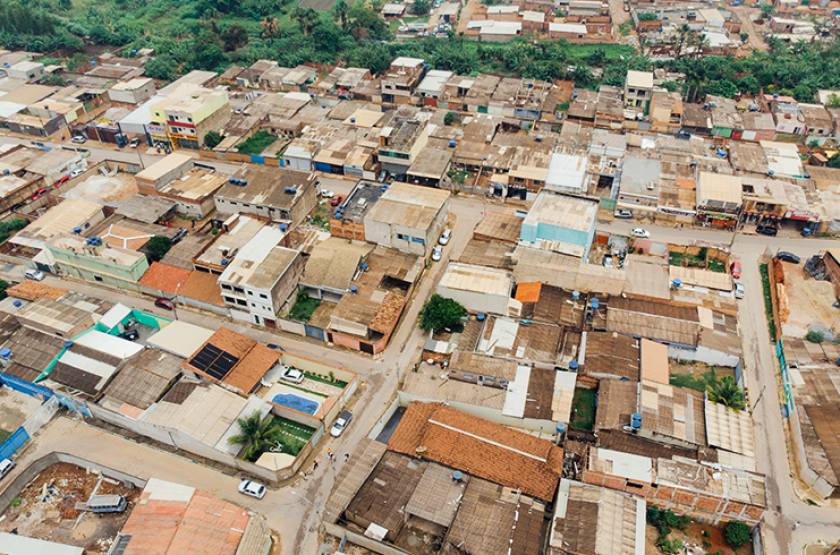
x=439 y=313
x=212 y=139
x=158 y=246
x=448 y=118
x=737 y=533
x=815 y=336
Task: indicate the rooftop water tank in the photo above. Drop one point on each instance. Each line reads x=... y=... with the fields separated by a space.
x=17 y=304
x=133 y=52
x=292 y=190
x=352 y=120
x=575 y=294
x=353 y=289
x=451 y=144
x=677 y=283
x=283 y=227
x=77 y=230
x=6 y=172
x=480 y=317
x=224 y=262
x=457 y=475
x=560 y=427
x=5 y=353
x=636 y=421
x=573 y=366
x=68 y=344
x=574 y=95
x=593 y=302
x=807 y=176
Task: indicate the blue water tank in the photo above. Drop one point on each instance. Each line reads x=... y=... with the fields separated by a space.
x=451 y=144
x=323 y=106
x=77 y=230
x=807 y=176
x=353 y=289
x=636 y=422
x=770 y=172
x=530 y=85
x=693 y=164
x=5 y=353
x=457 y=475
x=292 y=190
x=364 y=266
x=574 y=95
x=68 y=344
x=677 y=283
x=17 y=304
x=575 y=295
x=776 y=95
x=283 y=227
x=574 y=365
x=561 y=427
x=311 y=95
x=231 y=180
x=352 y=120
x=93 y=63
x=480 y=317
x=224 y=262
x=593 y=302
x=6 y=172
x=721 y=153
x=243 y=181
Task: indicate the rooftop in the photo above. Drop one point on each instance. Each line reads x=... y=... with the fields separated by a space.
x=606 y=354
x=719 y=187
x=162 y=277
x=239 y=230
x=334 y=262
x=164 y=166
x=481 y=448
x=653 y=320
x=267 y=186
x=640 y=79
x=260 y=263
x=675 y=412
x=196 y=184
x=233 y=359
x=409 y=205
x=145 y=378
x=465 y=277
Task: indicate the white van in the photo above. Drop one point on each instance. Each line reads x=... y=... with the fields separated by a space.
x=107 y=504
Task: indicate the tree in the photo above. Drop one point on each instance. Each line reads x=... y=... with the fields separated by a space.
x=259 y=433
x=421 y=7
x=158 y=246
x=234 y=37
x=767 y=10
x=727 y=393
x=439 y=313
x=670 y=86
x=834 y=161
x=737 y=532
x=341 y=11
x=448 y=118
x=721 y=88
x=815 y=336
x=749 y=84
x=212 y=139
x=833 y=101
x=3 y=286
x=162 y=67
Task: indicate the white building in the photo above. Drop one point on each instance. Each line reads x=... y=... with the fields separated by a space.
x=408 y=218
x=477 y=288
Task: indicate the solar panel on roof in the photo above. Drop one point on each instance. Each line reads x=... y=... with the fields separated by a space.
x=214 y=362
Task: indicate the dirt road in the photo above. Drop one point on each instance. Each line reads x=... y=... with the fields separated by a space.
x=747 y=26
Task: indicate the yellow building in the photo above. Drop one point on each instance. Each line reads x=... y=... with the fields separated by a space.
x=188 y=114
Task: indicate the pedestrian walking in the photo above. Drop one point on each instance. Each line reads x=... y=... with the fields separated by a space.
x=315 y=465
x=346 y=457
x=329 y=453
x=795 y=525
x=304 y=476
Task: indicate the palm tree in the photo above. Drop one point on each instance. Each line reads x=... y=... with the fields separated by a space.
x=341 y=11
x=259 y=434
x=726 y=393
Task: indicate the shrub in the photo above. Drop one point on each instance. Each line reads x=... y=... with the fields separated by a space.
x=440 y=312
x=158 y=246
x=16 y=502
x=737 y=533
x=815 y=336
x=448 y=118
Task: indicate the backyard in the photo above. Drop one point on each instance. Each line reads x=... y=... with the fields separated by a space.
x=698 y=260
x=304 y=307
x=697 y=376
x=583 y=409
x=258 y=142
x=293 y=435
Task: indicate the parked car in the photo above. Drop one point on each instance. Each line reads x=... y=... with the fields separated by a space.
x=735 y=268
x=134 y=143
x=38 y=194
x=6 y=465
x=767 y=229
x=341 y=423
x=34 y=275
x=739 y=290
x=78 y=139
x=640 y=233
x=326 y=193
x=787 y=257
x=61 y=180
x=292 y=375
x=164 y=303
x=76 y=172
x=608 y=261
x=623 y=214
x=275 y=347
x=131 y=335
x=437 y=253
x=336 y=200
x=445 y=236
x=254 y=489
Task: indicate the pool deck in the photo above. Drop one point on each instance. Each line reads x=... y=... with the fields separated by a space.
x=324 y=404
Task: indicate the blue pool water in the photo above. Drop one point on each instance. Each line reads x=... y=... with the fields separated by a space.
x=296 y=402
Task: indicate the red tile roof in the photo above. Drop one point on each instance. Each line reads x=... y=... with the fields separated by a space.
x=254 y=359
x=204 y=287
x=205 y=525
x=491 y=451
x=163 y=277
x=528 y=292
x=32 y=291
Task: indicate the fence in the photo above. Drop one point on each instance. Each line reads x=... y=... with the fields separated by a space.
x=34 y=423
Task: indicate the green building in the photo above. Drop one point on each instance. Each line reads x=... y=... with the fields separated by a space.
x=92 y=259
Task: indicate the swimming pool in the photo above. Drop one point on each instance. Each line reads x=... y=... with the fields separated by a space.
x=296 y=402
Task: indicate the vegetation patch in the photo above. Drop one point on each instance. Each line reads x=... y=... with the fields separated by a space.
x=4 y=435
x=329 y=380
x=583 y=410
x=304 y=307
x=768 y=301
x=256 y=143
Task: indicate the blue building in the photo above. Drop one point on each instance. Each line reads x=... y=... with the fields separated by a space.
x=561 y=223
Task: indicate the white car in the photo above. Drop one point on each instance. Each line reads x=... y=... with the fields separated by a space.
x=739 y=290
x=326 y=193
x=445 y=236
x=293 y=375
x=78 y=139
x=341 y=423
x=640 y=233
x=437 y=253
x=251 y=488
x=6 y=465
x=33 y=274
x=76 y=173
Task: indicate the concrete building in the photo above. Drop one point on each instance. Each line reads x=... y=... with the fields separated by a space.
x=402 y=138
x=477 y=288
x=132 y=92
x=719 y=198
x=639 y=187
x=277 y=194
x=93 y=259
x=163 y=172
x=638 y=90
x=189 y=113
x=402 y=77
x=261 y=277
x=29 y=71
x=408 y=218
x=561 y=223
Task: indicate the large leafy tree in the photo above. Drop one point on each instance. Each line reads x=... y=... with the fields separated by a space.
x=737 y=533
x=258 y=434
x=727 y=393
x=439 y=313
x=158 y=246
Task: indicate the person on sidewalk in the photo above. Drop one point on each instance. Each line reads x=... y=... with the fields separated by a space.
x=346 y=457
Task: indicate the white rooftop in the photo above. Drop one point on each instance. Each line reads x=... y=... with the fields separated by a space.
x=180 y=338
x=640 y=79
x=110 y=344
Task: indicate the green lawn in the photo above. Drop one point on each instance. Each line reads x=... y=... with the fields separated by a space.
x=697 y=383
x=4 y=435
x=304 y=308
x=293 y=428
x=717 y=266
x=324 y=379
x=583 y=410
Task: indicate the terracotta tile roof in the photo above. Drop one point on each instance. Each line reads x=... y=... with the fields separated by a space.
x=204 y=525
x=387 y=314
x=481 y=448
x=528 y=292
x=203 y=287
x=254 y=359
x=32 y=291
x=163 y=277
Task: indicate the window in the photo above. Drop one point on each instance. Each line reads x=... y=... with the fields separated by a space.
x=247 y=205
x=240 y=302
x=488 y=379
x=537 y=182
x=227 y=287
x=469 y=377
x=403 y=237
x=631 y=91
x=239 y=290
x=418 y=240
x=503 y=383
x=250 y=294
x=263 y=296
x=230 y=300
x=253 y=305
x=98 y=278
